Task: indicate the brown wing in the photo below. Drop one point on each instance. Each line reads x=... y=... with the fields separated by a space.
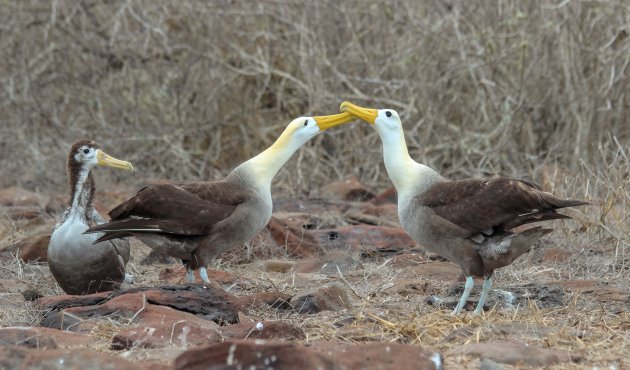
x=179 y=208
x=478 y=205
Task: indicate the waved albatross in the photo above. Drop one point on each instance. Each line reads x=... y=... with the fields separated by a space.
x=196 y=221
x=78 y=264
x=469 y=222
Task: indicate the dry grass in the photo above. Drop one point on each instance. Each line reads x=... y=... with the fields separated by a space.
x=188 y=90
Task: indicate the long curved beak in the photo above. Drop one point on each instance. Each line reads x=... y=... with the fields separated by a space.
x=326 y=122
x=367 y=114
x=103 y=159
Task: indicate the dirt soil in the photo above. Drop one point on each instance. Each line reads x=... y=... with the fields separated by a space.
x=569 y=294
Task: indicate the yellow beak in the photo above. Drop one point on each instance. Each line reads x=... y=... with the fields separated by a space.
x=326 y=122
x=103 y=159
x=366 y=114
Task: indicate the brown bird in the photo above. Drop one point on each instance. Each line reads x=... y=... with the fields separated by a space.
x=470 y=222
x=78 y=264
x=196 y=221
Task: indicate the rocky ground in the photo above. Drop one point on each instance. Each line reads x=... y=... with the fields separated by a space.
x=332 y=283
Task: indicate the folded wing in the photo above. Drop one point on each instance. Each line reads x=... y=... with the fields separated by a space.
x=185 y=209
x=488 y=206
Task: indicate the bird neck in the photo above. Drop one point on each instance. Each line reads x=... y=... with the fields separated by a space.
x=261 y=169
x=81 y=193
x=401 y=168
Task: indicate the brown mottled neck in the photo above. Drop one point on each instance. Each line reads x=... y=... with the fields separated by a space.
x=81 y=184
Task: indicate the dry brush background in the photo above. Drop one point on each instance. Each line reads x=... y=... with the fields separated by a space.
x=189 y=89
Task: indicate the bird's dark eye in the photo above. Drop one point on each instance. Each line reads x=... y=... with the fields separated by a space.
x=305 y=123
x=86 y=150
x=388 y=113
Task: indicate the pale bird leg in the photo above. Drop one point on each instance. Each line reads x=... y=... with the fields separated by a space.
x=487 y=284
x=190 y=276
x=204 y=274
x=129 y=279
x=467 y=288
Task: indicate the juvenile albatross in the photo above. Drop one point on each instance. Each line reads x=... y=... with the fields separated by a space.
x=196 y=221
x=78 y=265
x=469 y=222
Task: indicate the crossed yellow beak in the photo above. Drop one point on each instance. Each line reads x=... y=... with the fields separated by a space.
x=103 y=159
x=326 y=122
x=367 y=114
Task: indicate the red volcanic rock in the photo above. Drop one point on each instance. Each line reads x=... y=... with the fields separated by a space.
x=364 y=238
x=263 y=330
x=43 y=338
x=412 y=286
x=311 y=206
x=332 y=298
x=33 y=248
x=277 y=300
x=298 y=243
x=388 y=196
x=111 y=198
x=181 y=332
x=20 y=212
x=363 y=218
x=327 y=264
x=335 y=262
x=134 y=308
x=516 y=353
x=156 y=324
x=13 y=357
x=15 y=196
x=576 y=285
x=161 y=326
x=324 y=356
x=177 y=274
x=234 y=355
x=303 y=235
x=379 y=356
x=332 y=263
x=138 y=304
x=597 y=288
x=440 y=271
x=71 y=312
x=20 y=203
x=388 y=211
x=56 y=203
x=305 y=221
x=349 y=190
x=408 y=259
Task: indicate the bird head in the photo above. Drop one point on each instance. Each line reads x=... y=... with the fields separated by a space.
x=88 y=154
x=302 y=129
x=383 y=120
